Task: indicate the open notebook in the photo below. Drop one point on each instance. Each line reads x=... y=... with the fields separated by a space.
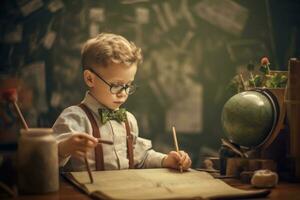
x=157 y=184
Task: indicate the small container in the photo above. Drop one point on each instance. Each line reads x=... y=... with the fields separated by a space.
x=37 y=159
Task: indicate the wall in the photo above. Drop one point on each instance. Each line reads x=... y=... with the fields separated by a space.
x=191 y=51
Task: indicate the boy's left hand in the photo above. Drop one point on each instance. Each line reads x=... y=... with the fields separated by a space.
x=175 y=160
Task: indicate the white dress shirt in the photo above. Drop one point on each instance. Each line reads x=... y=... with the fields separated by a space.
x=74 y=120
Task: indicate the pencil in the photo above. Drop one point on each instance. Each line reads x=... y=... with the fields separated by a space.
x=176 y=145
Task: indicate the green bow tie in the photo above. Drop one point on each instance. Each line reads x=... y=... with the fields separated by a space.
x=106 y=115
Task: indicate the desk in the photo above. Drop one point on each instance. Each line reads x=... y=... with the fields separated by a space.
x=283 y=190
x=69 y=192
x=66 y=192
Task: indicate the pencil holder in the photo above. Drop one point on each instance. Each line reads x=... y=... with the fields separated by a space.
x=37 y=159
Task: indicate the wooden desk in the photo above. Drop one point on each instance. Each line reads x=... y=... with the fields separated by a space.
x=69 y=192
x=66 y=192
x=283 y=190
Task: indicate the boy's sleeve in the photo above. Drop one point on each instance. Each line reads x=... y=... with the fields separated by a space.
x=71 y=120
x=144 y=155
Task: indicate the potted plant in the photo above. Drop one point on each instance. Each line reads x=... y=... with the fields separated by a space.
x=265 y=78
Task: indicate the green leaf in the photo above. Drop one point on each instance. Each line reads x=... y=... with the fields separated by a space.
x=252 y=83
x=276 y=80
x=269 y=83
x=264 y=69
x=258 y=81
x=283 y=81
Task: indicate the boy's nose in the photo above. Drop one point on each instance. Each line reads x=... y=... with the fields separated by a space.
x=122 y=93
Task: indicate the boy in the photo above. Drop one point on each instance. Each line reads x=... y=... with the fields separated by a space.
x=109 y=66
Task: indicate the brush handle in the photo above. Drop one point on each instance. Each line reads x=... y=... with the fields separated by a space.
x=88 y=169
x=105 y=141
x=25 y=126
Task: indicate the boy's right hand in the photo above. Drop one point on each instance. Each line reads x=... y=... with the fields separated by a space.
x=77 y=145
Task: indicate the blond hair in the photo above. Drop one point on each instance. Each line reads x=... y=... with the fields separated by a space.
x=108 y=47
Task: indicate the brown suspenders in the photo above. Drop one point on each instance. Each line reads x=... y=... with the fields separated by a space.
x=96 y=133
x=99 y=158
x=129 y=140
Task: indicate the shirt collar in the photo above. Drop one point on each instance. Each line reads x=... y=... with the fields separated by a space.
x=92 y=103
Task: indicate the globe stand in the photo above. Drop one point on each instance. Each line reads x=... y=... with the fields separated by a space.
x=266 y=146
x=274 y=147
x=277 y=136
x=269 y=153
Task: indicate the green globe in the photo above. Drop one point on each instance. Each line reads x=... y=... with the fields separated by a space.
x=248 y=118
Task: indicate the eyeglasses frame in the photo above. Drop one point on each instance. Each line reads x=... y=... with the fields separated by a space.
x=111 y=85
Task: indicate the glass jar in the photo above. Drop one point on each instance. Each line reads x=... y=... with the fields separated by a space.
x=37 y=161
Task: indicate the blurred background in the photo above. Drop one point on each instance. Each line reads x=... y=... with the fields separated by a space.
x=192 y=49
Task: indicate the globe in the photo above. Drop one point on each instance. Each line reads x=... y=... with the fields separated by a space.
x=249 y=117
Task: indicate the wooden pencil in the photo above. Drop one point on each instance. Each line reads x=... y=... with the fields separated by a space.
x=176 y=145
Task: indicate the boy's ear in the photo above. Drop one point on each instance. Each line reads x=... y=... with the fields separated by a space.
x=88 y=78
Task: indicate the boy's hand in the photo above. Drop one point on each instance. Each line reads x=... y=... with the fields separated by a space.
x=174 y=160
x=77 y=145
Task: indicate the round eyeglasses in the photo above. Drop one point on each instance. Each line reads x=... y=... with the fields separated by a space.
x=116 y=88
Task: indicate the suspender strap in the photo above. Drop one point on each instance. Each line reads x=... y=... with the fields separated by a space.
x=98 y=149
x=96 y=133
x=129 y=139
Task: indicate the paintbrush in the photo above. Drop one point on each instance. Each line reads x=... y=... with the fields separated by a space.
x=11 y=96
